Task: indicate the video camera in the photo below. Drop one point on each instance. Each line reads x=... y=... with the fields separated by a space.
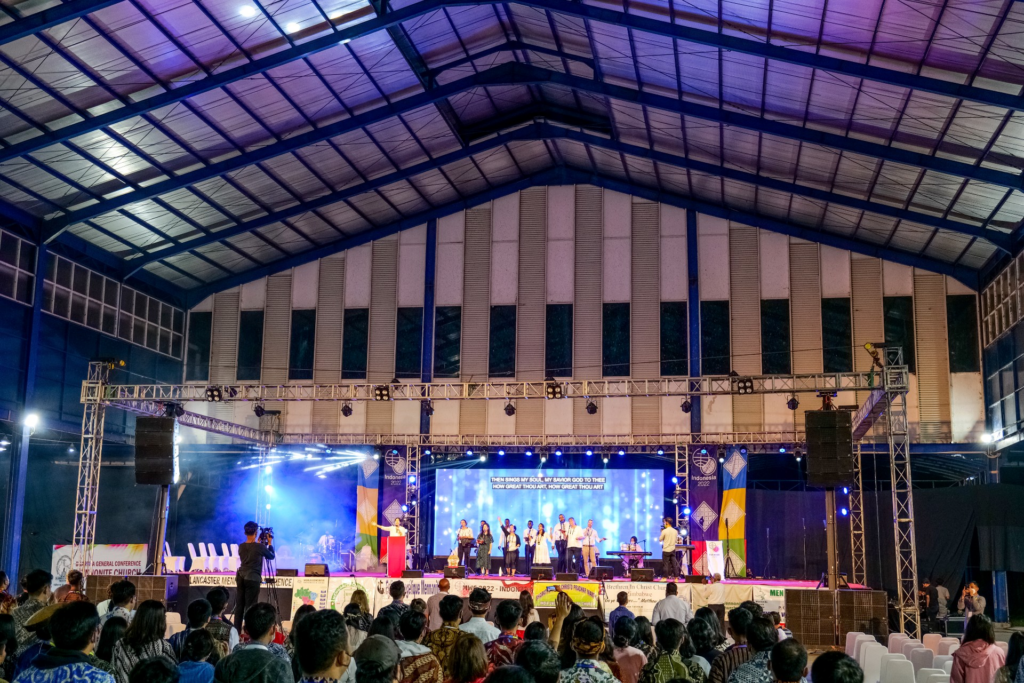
x=266 y=536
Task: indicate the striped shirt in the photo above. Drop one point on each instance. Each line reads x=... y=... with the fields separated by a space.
x=727 y=662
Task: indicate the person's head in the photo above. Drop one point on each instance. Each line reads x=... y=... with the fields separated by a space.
x=199 y=612
x=536 y=631
x=418 y=605
x=972 y=588
x=360 y=598
x=633 y=540
x=667 y=522
x=587 y=640
x=5 y=582
x=625 y=631
x=927 y=582
x=739 y=621
x=529 y=524
x=301 y=613
x=775 y=617
x=377 y=660
x=507 y=615
x=468 y=659
x=572 y=521
x=148 y=625
x=75 y=578
x=539 y=659
x=526 y=603
x=322 y=644
x=8 y=633
x=122 y=593
x=540 y=528
x=111 y=635
x=669 y=633
x=198 y=646
x=506 y=521
x=761 y=634
x=413 y=625
x=218 y=598
x=154 y=670
x=443 y=585
x=575 y=616
x=938 y=581
x=397 y=590
x=836 y=667
x=479 y=602
x=561 y=518
x=701 y=635
x=509 y=674
x=789 y=661
x=450 y=609
x=37 y=584
x=383 y=626
x=671 y=588
x=462 y=524
x=485 y=528
x=708 y=615
x=622 y=598
x=75 y=626
x=250 y=530
x=1015 y=651
x=979 y=627
x=755 y=609
x=644 y=632
x=590 y=524
x=260 y=622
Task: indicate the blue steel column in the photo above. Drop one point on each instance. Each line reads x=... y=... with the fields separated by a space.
x=427 y=358
x=19 y=464
x=693 y=313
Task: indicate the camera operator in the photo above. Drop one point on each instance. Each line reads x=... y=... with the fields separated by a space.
x=250 y=568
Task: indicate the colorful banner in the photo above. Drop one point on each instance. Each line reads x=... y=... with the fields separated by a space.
x=310 y=590
x=643 y=596
x=341 y=588
x=394 y=470
x=703 y=481
x=117 y=559
x=732 y=523
x=499 y=590
x=586 y=594
x=366 y=515
x=771 y=599
x=728 y=594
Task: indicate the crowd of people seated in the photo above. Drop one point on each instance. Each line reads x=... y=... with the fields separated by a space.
x=442 y=640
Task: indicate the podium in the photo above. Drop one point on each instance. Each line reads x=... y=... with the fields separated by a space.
x=396 y=556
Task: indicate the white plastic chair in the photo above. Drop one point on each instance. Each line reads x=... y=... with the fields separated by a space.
x=899 y=671
x=939 y=661
x=921 y=658
x=948 y=667
x=174 y=563
x=924 y=674
x=198 y=561
x=851 y=638
x=230 y=559
x=945 y=644
x=938 y=678
x=217 y=563
x=871 y=656
x=887 y=659
x=954 y=648
x=859 y=645
x=909 y=646
x=931 y=641
x=896 y=641
x=173 y=618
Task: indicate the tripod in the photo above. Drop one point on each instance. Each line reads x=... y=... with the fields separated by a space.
x=730 y=571
x=270 y=579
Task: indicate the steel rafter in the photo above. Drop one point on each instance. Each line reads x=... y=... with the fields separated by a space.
x=51 y=17
x=649 y=441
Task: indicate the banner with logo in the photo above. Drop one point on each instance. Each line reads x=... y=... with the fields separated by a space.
x=728 y=594
x=366 y=515
x=733 y=521
x=643 y=596
x=499 y=590
x=414 y=588
x=309 y=590
x=771 y=599
x=703 y=484
x=586 y=594
x=394 y=470
x=341 y=588
x=115 y=559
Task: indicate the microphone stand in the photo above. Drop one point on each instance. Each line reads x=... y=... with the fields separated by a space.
x=729 y=569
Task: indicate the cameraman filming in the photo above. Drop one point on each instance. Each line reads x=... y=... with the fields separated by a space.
x=250 y=568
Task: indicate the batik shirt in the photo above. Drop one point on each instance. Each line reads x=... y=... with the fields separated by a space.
x=502 y=650
x=664 y=667
x=586 y=671
x=757 y=670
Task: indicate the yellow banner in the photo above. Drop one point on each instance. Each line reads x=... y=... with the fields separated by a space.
x=586 y=594
x=734 y=513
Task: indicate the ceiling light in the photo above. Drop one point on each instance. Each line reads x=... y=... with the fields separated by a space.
x=591 y=408
x=292 y=27
x=685 y=406
x=510 y=409
x=32 y=420
x=346 y=409
x=247 y=11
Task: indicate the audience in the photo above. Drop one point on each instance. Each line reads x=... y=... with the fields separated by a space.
x=442 y=641
x=224 y=633
x=74 y=628
x=703 y=641
x=383 y=626
x=395 y=610
x=434 y=620
x=587 y=643
x=199 y=613
x=1008 y=673
x=71 y=591
x=301 y=613
x=419 y=665
x=672 y=606
x=509 y=674
x=621 y=611
x=761 y=636
x=666 y=664
x=37 y=592
x=321 y=646
x=196 y=651
x=39 y=626
x=644 y=639
x=755 y=609
x=565 y=636
x=708 y=616
x=155 y=670
x=479 y=605
x=530 y=614
x=698 y=667
x=631 y=660
x=836 y=667
x=143 y=639
x=502 y=650
x=468 y=661
x=7 y=601
x=377 y=661
x=418 y=605
x=122 y=599
x=10 y=641
x=736 y=654
x=260 y=660
x=539 y=660
x=110 y=635
x=536 y=631
x=978 y=659
x=782 y=630
x=788 y=661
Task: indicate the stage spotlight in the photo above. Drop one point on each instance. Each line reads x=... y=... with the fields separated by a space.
x=376 y=456
x=528 y=452
x=792 y=403
x=590 y=452
x=5 y=442
x=543 y=457
x=703 y=451
x=168 y=410
x=846 y=490
x=501 y=451
x=558 y=453
x=213 y=394
x=268 y=506
x=382 y=392
x=553 y=389
x=412 y=478
x=268 y=488
x=483 y=457
x=721 y=459
x=686 y=406
x=346 y=409
x=469 y=452
x=675 y=501
x=798 y=455
x=686 y=511
x=427 y=408
x=661 y=451
x=675 y=480
x=510 y=409
x=71 y=449
x=605 y=460
x=782 y=449
x=987 y=438
x=684 y=532
x=258 y=410
x=745 y=385
x=844 y=511
x=405 y=508
x=622 y=452
x=743 y=450
x=426 y=451
x=591 y=408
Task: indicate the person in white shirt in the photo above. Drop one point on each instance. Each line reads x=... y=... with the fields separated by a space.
x=479 y=604
x=464 y=541
x=434 y=620
x=672 y=606
x=669 y=537
x=574 y=543
x=529 y=545
x=560 y=535
x=541 y=540
x=503 y=544
x=590 y=541
x=512 y=544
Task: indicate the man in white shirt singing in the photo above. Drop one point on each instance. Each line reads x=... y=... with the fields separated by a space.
x=464 y=538
x=529 y=544
x=560 y=535
x=669 y=537
x=512 y=544
x=590 y=541
x=574 y=543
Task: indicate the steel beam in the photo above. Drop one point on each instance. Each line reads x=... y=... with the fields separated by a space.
x=50 y=17
x=693 y=315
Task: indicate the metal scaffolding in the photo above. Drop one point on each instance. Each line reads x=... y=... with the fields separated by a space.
x=858 y=573
x=90 y=454
x=412 y=498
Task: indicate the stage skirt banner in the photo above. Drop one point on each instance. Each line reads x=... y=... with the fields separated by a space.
x=116 y=559
x=703 y=481
x=366 y=515
x=310 y=590
x=228 y=581
x=341 y=588
x=771 y=599
x=643 y=596
x=732 y=522
x=586 y=594
x=394 y=470
x=499 y=590
x=728 y=594
x=414 y=588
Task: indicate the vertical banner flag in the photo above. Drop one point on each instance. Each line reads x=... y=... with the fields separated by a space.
x=733 y=522
x=703 y=485
x=366 y=515
x=392 y=490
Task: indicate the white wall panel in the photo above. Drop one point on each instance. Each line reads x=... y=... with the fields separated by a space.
x=673 y=419
x=967 y=405
x=617 y=211
x=559 y=271
x=954 y=287
x=451 y=233
x=254 y=295
x=713 y=257
x=497 y=421
x=716 y=414
x=505 y=226
x=407 y=417
x=204 y=306
x=673 y=221
x=356 y=422
x=776 y=415
x=504 y=273
x=774 y=261
x=445 y=419
x=562 y=212
x=299 y=419
x=835 y=272
x=617 y=284
x=897 y=279
x=412 y=254
x=304 y=285
x=357 y=276
x=616 y=413
x=558 y=416
x=674 y=282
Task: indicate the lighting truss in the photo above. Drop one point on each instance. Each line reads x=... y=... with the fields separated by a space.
x=565 y=441
x=90 y=455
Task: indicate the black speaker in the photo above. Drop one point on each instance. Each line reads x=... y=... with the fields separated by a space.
x=288 y=572
x=602 y=573
x=567 y=576
x=317 y=570
x=694 y=578
x=641 y=575
x=454 y=572
x=541 y=573
x=154 y=450
x=412 y=573
x=829 y=448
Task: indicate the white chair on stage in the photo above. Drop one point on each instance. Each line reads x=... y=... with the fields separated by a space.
x=898 y=671
x=173 y=563
x=210 y=566
x=925 y=673
x=859 y=645
x=921 y=658
x=887 y=659
x=198 y=561
x=909 y=646
x=871 y=657
x=940 y=661
x=948 y=667
x=232 y=558
x=896 y=641
x=851 y=638
x=217 y=563
x=931 y=641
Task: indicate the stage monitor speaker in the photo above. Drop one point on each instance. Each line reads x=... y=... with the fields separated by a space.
x=602 y=573
x=287 y=572
x=154 y=450
x=412 y=573
x=694 y=578
x=454 y=572
x=567 y=576
x=541 y=573
x=317 y=570
x=641 y=575
x=829 y=448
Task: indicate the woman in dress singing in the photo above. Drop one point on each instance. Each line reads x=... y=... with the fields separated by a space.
x=483 y=549
x=542 y=553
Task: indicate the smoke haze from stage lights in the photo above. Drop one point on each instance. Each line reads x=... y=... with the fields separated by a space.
x=622 y=502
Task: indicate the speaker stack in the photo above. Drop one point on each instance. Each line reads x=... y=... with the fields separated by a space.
x=155 y=459
x=829 y=448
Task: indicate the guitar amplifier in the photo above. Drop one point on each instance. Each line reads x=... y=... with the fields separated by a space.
x=541 y=573
x=641 y=575
x=454 y=572
x=288 y=572
x=602 y=573
x=317 y=570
